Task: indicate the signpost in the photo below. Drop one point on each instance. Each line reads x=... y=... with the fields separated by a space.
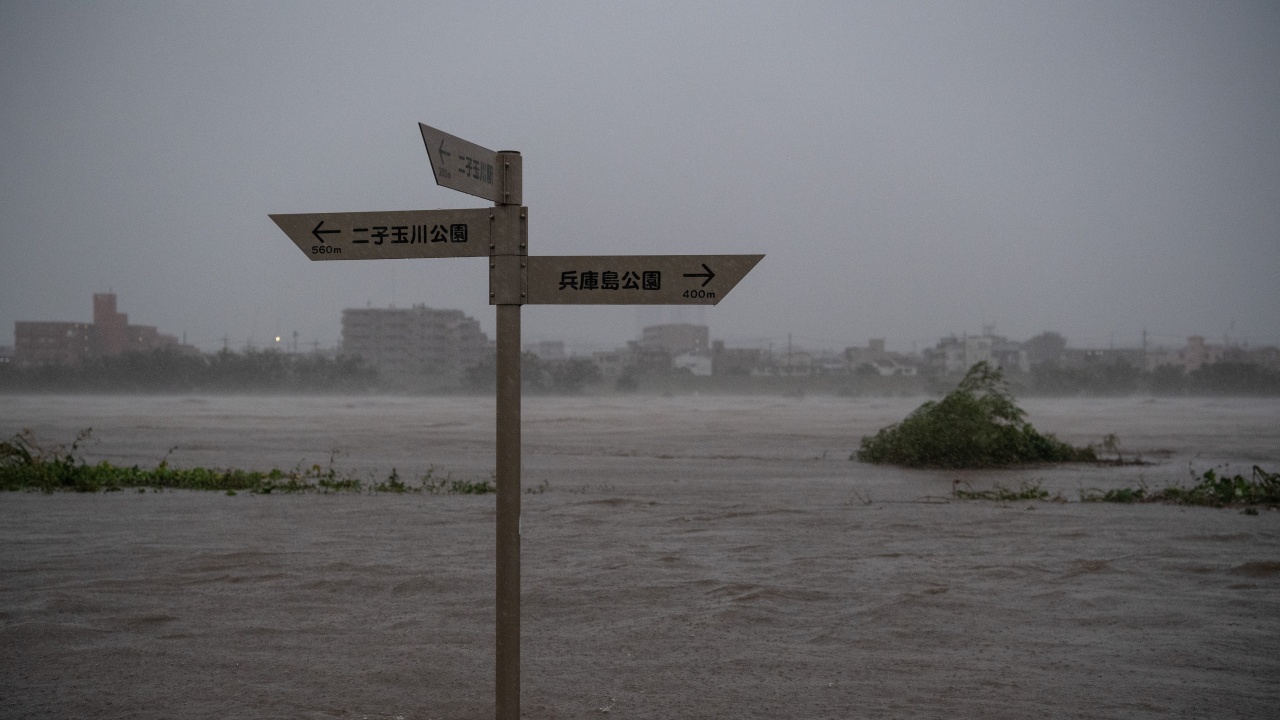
x=515 y=278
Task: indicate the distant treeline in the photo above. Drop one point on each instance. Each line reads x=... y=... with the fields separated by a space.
x=1223 y=378
x=1047 y=379
x=564 y=376
x=168 y=370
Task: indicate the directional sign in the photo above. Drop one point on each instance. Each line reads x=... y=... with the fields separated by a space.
x=463 y=166
x=388 y=235
x=635 y=279
x=515 y=279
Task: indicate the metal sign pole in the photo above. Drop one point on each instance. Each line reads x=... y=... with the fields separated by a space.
x=507 y=293
x=508 y=520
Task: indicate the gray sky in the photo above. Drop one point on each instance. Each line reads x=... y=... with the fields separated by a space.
x=910 y=169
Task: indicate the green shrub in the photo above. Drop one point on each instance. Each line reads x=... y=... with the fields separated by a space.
x=976 y=426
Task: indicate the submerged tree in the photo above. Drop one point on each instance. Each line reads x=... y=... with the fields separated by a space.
x=977 y=425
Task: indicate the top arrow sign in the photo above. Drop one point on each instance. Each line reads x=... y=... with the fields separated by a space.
x=463 y=166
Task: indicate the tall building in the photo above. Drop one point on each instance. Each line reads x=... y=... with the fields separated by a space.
x=110 y=327
x=417 y=343
x=70 y=343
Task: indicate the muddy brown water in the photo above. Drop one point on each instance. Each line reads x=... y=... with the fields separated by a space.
x=693 y=557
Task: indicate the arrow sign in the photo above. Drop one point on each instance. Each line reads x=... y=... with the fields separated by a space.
x=390 y=235
x=461 y=165
x=708 y=275
x=635 y=279
x=318 y=232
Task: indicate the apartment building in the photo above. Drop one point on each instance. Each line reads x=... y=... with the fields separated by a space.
x=417 y=343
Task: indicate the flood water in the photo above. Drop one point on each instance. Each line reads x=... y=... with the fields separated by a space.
x=693 y=557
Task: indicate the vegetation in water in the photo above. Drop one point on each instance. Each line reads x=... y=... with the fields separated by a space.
x=999 y=493
x=976 y=426
x=1210 y=488
x=26 y=464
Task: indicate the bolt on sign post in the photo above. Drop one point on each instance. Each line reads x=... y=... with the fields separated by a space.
x=501 y=233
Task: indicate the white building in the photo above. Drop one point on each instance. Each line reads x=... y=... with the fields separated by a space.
x=414 y=343
x=695 y=363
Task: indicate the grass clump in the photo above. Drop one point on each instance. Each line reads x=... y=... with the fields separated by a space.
x=455 y=486
x=1118 y=495
x=26 y=464
x=999 y=493
x=976 y=426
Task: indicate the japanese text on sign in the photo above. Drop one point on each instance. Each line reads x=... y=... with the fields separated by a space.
x=410 y=234
x=610 y=280
x=476 y=169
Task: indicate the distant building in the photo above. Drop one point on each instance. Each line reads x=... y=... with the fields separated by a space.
x=1009 y=356
x=1162 y=357
x=414 y=343
x=694 y=363
x=71 y=343
x=826 y=362
x=1084 y=358
x=676 y=338
x=547 y=349
x=856 y=357
x=954 y=356
x=1198 y=354
x=52 y=343
x=650 y=359
x=111 y=328
x=796 y=362
x=893 y=368
x=977 y=348
x=612 y=363
x=734 y=361
x=1267 y=356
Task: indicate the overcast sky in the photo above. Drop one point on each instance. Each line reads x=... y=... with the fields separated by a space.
x=910 y=169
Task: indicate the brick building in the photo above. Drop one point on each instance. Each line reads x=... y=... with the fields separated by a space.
x=71 y=343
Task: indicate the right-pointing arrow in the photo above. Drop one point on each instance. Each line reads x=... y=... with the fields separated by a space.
x=708 y=275
x=632 y=279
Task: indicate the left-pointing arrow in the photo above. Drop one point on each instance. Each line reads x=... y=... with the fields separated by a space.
x=318 y=232
x=391 y=234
